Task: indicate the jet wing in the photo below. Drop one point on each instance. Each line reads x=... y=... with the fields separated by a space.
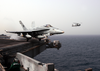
x=18 y=31
x=27 y=31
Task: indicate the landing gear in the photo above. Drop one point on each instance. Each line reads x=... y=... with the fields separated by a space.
x=28 y=39
x=39 y=39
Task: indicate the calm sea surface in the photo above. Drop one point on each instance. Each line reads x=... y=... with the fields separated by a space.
x=76 y=53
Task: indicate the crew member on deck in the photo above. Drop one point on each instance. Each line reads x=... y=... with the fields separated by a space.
x=15 y=66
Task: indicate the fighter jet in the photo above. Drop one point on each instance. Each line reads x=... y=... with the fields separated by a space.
x=76 y=24
x=38 y=32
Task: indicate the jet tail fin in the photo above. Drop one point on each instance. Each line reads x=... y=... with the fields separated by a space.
x=23 y=26
x=33 y=25
x=7 y=31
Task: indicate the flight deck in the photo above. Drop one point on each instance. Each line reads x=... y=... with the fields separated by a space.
x=9 y=48
x=8 y=42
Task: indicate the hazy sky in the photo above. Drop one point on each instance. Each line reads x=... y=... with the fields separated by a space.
x=59 y=13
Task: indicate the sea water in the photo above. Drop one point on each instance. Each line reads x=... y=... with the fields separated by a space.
x=77 y=53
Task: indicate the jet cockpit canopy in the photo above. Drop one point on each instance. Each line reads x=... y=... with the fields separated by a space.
x=47 y=25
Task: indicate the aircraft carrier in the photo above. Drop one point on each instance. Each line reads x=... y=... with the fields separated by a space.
x=25 y=53
x=10 y=49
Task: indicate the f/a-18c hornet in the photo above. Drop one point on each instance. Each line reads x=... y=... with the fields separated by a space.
x=38 y=32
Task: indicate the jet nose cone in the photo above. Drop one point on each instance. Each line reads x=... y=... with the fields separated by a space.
x=62 y=31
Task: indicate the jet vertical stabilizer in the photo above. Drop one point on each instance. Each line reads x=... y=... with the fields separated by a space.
x=23 y=26
x=33 y=25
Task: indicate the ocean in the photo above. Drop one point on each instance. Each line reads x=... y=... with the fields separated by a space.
x=77 y=53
